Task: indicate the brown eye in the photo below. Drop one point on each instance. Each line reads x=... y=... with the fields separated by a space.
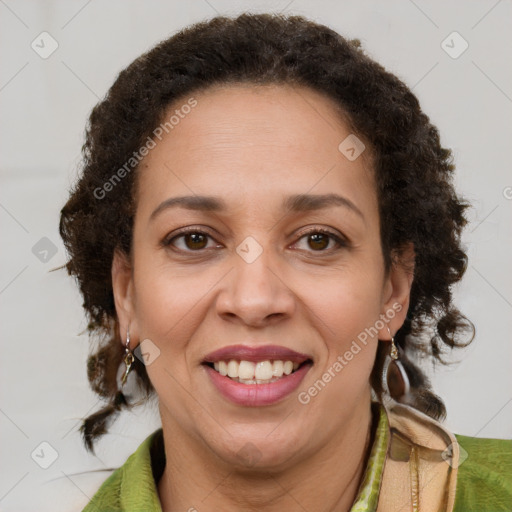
x=195 y=240
x=318 y=241
x=321 y=241
x=192 y=240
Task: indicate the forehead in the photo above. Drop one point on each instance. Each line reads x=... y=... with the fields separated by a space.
x=258 y=141
x=255 y=116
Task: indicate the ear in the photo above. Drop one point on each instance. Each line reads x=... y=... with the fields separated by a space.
x=124 y=297
x=397 y=291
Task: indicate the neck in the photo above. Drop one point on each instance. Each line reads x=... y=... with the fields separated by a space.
x=326 y=480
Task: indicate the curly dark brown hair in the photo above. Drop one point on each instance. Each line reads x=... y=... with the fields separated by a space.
x=413 y=172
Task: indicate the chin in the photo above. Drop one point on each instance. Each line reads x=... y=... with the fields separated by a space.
x=258 y=453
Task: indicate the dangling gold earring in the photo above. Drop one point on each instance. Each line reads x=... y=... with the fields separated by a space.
x=396 y=377
x=128 y=358
x=393 y=351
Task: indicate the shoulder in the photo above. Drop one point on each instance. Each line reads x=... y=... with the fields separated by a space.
x=484 y=475
x=108 y=495
x=132 y=485
x=477 y=475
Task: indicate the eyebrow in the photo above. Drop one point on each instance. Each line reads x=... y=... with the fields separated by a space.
x=294 y=203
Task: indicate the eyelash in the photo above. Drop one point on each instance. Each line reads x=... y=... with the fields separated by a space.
x=341 y=242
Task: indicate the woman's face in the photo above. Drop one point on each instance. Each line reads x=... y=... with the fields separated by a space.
x=281 y=261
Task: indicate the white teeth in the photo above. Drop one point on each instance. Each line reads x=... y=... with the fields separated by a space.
x=277 y=369
x=246 y=370
x=233 y=368
x=223 y=368
x=261 y=372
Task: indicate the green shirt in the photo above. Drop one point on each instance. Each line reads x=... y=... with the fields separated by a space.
x=484 y=479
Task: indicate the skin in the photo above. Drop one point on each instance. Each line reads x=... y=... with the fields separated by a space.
x=252 y=146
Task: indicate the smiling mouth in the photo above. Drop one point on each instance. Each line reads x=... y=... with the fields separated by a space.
x=260 y=372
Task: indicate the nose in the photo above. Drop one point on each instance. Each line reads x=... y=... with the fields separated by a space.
x=255 y=294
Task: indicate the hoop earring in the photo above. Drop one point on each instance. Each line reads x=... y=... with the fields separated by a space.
x=396 y=377
x=128 y=358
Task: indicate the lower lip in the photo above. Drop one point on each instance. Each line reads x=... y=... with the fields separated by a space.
x=254 y=395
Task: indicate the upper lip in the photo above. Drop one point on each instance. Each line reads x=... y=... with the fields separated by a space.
x=255 y=354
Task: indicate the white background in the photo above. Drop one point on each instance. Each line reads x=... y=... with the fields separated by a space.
x=44 y=105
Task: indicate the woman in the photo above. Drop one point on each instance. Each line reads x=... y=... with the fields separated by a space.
x=264 y=226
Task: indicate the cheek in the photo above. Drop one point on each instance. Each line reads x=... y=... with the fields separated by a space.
x=172 y=306
x=165 y=294
x=345 y=310
x=169 y=306
x=169 y=310
x=346 y=303
x=345 y=313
